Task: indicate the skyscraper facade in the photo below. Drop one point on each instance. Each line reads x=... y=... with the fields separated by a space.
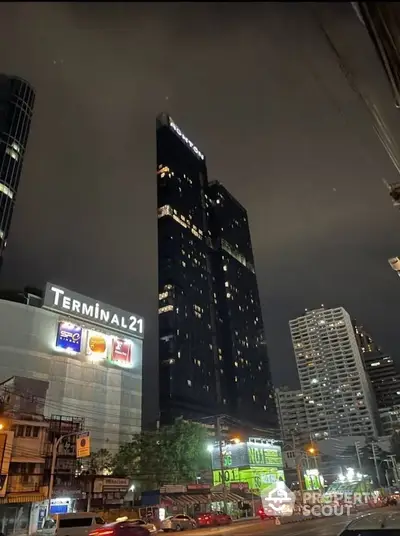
x=337 y=393
x=16 y=106
x=381 y=371
x=212 y=351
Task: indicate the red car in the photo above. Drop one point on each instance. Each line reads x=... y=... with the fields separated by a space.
x=262 y=515
x=213 y=519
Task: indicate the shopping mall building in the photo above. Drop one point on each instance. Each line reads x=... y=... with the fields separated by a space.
x=88 y=353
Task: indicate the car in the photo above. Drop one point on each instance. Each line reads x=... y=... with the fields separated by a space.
x=140 y=523
x=177 y=523
x=72 y=524
x=207 y=519
x=263 y=515
x=376 y=523
x=120 y=528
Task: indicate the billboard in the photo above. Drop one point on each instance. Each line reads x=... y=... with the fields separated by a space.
x=248 y=454
x=81 y=307
x=255 y=478
x=69 y=337
x=76 y=340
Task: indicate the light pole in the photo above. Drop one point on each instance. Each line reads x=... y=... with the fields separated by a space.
x=56 y=444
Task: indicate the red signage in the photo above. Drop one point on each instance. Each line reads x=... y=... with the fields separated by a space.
x=122 y=352
x=197 y=487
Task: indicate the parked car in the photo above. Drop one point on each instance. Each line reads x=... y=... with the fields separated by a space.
x=78 y=524
x=177 y=523
x=376 y=523
x=140 y=523
x=213 y=518
x=120 y=528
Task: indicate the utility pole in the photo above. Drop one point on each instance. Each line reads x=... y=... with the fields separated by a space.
x=56 y=444
x=299 y=467
x=376 y=463
x=357 y=445
x=221 y=461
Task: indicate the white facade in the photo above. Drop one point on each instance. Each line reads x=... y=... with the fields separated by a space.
x=80 y=384
x=336 y=391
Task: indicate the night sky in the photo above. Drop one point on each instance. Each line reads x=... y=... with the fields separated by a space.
x=255 y=86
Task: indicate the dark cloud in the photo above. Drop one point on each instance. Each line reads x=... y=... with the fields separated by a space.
x=257 y=88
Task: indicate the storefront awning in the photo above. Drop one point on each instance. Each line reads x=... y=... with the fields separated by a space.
x=13 y=498
x=185 y=499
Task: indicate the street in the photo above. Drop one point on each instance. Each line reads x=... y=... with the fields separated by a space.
x=325 y=526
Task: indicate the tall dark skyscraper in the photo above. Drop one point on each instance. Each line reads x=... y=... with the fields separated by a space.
x=212 y=351
x=16 y=106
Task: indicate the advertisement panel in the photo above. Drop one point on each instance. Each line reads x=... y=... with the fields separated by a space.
x=97 y=345
x=69 y=337
x=254 y=478
x=248 y=454
x=78 y=341
x=121 y=352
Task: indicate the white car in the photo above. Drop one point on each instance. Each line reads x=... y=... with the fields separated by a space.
x=140 y=523
x=378 y=523
x=177 y=523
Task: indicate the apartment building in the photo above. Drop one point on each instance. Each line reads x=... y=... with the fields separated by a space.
x=337 y=394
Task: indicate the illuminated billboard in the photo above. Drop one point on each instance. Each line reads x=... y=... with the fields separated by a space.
x=69 y=337
x=256 y=478
x=94 y=346
x=97 y=345
x=248 y=454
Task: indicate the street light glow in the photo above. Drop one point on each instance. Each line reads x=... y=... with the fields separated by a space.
x=210 y=448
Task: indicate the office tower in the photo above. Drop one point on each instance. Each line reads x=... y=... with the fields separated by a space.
x=16 y=106
x=187 y=347
x=212 y=350
x=382 y=22
x=380 y=369
x=292 y=417
x=240 y=330
x=337 y=394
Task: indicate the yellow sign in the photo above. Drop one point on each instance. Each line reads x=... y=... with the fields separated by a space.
x=256 y=477
x=83 y=445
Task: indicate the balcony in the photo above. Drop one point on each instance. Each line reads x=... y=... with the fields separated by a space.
x=24 y=483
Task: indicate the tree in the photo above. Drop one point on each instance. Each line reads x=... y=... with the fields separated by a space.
x=102 y=462
x=173 y=454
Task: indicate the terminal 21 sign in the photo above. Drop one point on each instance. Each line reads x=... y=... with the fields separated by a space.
x=78 y=306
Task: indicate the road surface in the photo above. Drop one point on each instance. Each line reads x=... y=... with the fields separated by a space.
x=325 y=526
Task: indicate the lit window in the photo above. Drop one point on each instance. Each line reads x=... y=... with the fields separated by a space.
x=227 y=283
x=189 y=382
x=254 y=398
x=6 y=190
x=16 y=147
x=225 y=268
x=236 y=364
x=1 y=234
x=12 y=153
x=165 y=309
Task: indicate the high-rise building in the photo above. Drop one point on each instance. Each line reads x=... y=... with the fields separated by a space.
x=212 y=350
x=240 y=327
x=16 y=106
x=380 y=369
x=337 y=394
x=292 y=417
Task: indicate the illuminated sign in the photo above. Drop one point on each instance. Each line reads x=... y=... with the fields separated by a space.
x=69 y=337
x=121 y=353
x=248 y=454
x=191 y=145
x=74 y=304
x=97 y=345
x=255 y=478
